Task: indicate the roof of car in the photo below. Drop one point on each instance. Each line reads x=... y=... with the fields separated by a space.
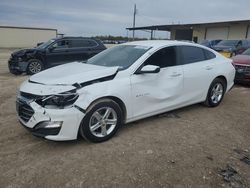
x=159 y=43
x=69 y=37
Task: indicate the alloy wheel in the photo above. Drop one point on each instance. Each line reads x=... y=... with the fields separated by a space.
x=35 y=67
x=103 y=121
x=217 y=93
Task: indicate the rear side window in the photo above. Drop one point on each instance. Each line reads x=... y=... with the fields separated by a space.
x=192 y=54
x=163 y=58
x=244 y=43
x=92 y=43
x=83 y=43
x=209 y=55
x=61 y=44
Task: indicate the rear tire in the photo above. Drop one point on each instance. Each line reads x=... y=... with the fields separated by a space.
x=215 y=93
x=101 y=122
x=34 y=66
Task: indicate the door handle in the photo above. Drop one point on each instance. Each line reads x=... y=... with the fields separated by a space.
x=175 y=74
x=208 y=68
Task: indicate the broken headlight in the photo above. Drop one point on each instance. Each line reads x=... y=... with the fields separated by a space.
x=60 y=100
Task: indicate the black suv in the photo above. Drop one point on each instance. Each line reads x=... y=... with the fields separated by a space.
x=54 y=52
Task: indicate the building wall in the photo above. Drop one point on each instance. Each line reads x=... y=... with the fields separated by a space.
x=199 y=32
x=236 y=31
x=172 y=34
x=19 y=37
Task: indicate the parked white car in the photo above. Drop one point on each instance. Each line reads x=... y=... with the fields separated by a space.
x=122 y=84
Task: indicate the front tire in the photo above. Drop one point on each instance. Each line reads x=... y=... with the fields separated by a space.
x=103 y=119
x=215 y=93
x=34 y=66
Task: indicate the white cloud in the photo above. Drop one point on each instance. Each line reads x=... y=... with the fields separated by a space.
x=94 y=17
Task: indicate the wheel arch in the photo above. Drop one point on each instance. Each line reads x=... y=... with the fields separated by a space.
x=208 y=102
x=30 y=61
x=220 y=77
x=113 y=98
x=224 y=79
x=36 y=55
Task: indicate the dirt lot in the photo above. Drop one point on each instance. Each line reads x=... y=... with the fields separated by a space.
x=183 y=148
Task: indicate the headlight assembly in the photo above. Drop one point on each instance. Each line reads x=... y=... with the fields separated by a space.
x=60 y=100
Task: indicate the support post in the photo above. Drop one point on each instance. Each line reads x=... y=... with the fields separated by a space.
x=134 y=21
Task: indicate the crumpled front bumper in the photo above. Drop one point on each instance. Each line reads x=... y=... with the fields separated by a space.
x=14 y=64
x=70 y=119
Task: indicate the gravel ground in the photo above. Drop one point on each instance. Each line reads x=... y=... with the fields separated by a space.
x=183 y=148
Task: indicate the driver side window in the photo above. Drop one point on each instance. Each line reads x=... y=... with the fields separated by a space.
x=165 y=57
x=61 y=44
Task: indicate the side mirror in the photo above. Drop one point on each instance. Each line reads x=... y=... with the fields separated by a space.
x=40 y=43
x=149 y=69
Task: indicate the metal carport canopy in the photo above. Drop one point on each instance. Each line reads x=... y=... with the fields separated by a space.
x=164 y=27
x=153 y=27
x=187 y=26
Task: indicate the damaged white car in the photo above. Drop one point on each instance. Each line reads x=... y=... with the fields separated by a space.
x=122 y=84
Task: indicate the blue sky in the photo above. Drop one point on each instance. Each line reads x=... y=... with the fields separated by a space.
x=104 y=17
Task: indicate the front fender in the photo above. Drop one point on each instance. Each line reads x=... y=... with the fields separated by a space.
x=89 y=94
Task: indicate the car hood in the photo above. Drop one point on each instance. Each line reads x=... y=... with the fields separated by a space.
x=242 y=59
x=23 y=52
x=72 y=73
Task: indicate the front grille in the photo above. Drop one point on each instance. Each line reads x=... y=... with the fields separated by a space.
x=242 y=69
x=25 y=112
x=13 y=62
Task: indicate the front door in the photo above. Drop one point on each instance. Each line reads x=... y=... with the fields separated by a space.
x=153 y=93
x=56 y=53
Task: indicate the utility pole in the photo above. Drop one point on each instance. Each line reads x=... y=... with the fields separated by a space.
x=134 y=21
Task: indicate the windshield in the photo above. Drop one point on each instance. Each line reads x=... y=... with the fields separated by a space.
x=246 y=52
x=44 y=45
x=204 y=42
x=122 y=56
x=228 y=43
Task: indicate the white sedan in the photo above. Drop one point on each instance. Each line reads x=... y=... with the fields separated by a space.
x=122 y=84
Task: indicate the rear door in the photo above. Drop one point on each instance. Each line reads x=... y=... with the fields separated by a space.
x=156 y=92
x=198 y=69
x=77 y=50
x=81 y=49
x=94 y=48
